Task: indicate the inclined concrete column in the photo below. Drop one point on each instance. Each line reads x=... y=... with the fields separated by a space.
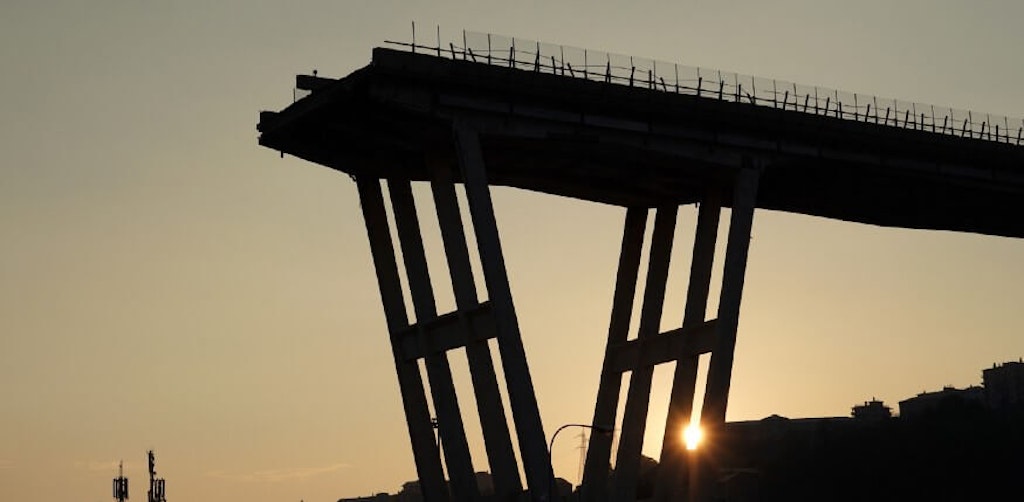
x=529 y=429
x=442 y=388
x=595 y=472
x=720 y=368
x=716 y=397
x=673 y=474
x=497 y=439
x=634 y=420
x=417 y=414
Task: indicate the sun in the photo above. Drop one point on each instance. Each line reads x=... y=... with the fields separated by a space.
x=692 y=436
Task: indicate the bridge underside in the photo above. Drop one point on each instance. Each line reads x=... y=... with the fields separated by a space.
x=413 y=117
x=640 y=147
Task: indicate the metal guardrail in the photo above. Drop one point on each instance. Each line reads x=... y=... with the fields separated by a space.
x=531 y=55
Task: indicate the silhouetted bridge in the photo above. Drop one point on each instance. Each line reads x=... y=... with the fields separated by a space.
x=637 y=134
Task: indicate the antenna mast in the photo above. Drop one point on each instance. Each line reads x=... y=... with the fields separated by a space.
x=156 y=485
x=120 y=484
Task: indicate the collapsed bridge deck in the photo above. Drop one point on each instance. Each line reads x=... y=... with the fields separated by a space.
x=424 y=117
x=636 y=146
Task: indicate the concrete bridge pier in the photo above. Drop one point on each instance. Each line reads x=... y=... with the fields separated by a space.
x=470 y=326
x=417 y=414
x=683 y=346
x=673 y=474
x=522 y=400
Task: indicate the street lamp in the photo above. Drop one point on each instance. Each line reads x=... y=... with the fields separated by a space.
x=597 y=428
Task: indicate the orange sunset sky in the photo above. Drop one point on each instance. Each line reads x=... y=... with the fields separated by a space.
x=166 y=283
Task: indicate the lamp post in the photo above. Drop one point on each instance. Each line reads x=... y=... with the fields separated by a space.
x=597 y=428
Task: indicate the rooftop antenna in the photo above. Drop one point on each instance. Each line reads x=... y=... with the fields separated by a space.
x=156 y=485
x=120 y=484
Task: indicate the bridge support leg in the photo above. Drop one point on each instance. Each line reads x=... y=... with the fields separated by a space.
x=417 y=414
x=673 y=475
x=529 y=429
x=442 y=388
x=634 y=420
x=595 y=474
x=497 y=439
x=678 y=477
x=716 y=397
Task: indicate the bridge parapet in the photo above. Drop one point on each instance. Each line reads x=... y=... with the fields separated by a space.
x=587 y=64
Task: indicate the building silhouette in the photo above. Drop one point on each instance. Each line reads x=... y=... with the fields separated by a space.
x=1004 y=385
x=873 y=410
x=927 y=403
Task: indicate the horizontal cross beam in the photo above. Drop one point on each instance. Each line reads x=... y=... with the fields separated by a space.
x=446 y=332
x=664 y=347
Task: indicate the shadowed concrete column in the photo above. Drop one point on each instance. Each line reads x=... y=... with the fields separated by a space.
x=720 y=368
x=442 y=388
x=634 y=420
x=595 y=472
x=529 y=429
x=414 y=401
x=497 y=440
x=716 y=396
x=673 y=475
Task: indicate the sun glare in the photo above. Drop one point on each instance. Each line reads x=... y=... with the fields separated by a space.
x=691 y=436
